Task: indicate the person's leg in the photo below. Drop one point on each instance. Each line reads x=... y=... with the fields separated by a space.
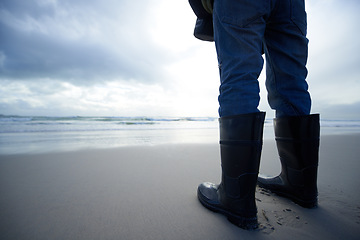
x=297 y=140
x=240 y=148
x=286 y=51
x=238 y=31
x=297 y=133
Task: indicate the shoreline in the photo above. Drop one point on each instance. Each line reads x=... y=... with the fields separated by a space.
x=44 y=142
x=149 y=192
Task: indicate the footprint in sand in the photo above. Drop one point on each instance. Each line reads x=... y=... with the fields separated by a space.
x=275 y=212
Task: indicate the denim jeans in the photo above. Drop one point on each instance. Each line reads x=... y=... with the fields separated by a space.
x=243 y=31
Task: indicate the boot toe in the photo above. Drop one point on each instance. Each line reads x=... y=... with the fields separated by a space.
x=270 y=183
x=208 y=196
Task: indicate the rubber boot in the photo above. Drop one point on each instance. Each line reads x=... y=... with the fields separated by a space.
x=240 y=148
x=297 y=140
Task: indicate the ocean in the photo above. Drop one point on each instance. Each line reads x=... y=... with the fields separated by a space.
x=36 y=134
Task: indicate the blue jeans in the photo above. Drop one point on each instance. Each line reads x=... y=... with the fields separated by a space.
x=243 y=31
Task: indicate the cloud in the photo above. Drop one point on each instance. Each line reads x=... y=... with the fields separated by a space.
x=339 y=111
x=78 y=41
x=58 y=98
x=104 y=58
x=334 y=70
x=125 y=57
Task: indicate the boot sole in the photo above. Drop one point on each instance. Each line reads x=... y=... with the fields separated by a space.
x=240 y=221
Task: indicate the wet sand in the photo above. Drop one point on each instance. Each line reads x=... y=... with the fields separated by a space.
x=149 y=192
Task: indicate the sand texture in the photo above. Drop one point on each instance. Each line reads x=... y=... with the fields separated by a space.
x=149 y=192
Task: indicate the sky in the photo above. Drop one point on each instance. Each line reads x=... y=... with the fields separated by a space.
x=140 y=58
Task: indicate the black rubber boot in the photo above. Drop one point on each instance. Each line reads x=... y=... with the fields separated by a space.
x=297 y=140
x=240 y=147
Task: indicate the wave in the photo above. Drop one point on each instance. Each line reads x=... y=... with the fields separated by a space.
x=23 y=124
x=17 y=124
x=16 y=118
x=340 y=123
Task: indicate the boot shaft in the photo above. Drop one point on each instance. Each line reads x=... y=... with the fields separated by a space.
x=297 y=127
x=241 y=143
x=240 y=148
x=298 y=140
x=240 y=128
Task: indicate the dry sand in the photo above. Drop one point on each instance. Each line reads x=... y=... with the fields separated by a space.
x=150 y=193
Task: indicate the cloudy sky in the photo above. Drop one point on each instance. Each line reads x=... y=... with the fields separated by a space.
x=139 y=58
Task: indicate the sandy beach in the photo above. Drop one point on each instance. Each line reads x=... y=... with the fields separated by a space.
x=149 y=192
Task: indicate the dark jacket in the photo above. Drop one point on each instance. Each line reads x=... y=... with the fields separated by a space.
x=204 y=29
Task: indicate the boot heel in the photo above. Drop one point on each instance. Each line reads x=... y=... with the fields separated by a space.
x=244 y=223
x=306 y=204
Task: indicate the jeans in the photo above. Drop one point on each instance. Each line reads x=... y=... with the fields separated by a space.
x=243 y=31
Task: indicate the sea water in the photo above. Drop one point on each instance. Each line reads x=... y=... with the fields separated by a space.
x=33 y=134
